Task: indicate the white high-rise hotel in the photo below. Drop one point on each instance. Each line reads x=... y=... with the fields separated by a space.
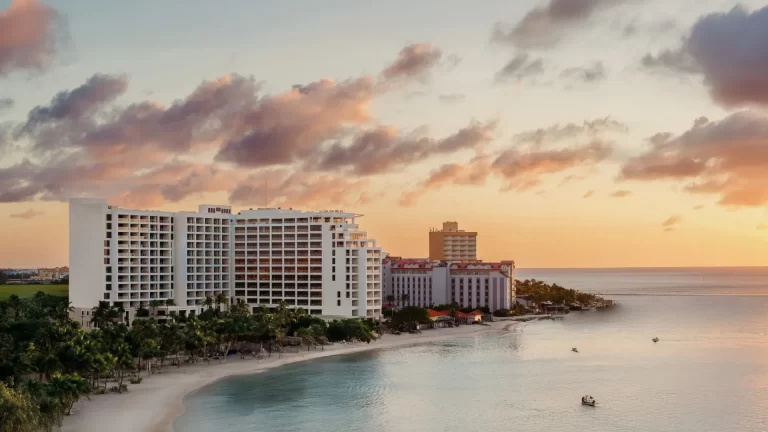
x=318 y=261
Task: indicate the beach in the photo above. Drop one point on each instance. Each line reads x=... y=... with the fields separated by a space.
x=154 y=404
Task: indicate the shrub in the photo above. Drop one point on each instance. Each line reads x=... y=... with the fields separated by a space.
x=136 y=380
x=501 y=313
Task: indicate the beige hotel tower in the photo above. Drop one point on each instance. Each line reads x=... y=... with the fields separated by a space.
x=452 y=244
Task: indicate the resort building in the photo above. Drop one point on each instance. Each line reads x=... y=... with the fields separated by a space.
x=318 y=261
x=469 y=284
x=452 y=244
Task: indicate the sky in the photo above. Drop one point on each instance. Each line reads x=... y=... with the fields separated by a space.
x=567 y=133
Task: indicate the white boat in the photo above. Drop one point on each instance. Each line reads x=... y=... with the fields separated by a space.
x=588 y=401
x=655 y=340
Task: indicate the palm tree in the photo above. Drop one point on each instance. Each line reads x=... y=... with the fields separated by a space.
x=100 y=314
x=404 y=298
x=306 y=335
x=208 y=301
x=154 y=304
x=170 y=302
x=391 y=300
x=221 y=299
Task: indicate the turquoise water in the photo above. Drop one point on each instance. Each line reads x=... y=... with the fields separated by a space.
x=708 y=373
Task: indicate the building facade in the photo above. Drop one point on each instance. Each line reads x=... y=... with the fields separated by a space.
x=469 y=284
x=55 y=273
x=452 y=244
x=319 y=261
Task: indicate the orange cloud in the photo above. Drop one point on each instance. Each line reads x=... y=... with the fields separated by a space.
x=29 y=37
x=726 y=158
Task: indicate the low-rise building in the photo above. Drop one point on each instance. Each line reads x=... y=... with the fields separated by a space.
x=469 y=284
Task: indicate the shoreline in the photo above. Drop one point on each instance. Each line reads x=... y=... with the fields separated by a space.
x=156 y=403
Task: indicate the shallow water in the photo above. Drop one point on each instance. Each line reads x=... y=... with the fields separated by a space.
x=709 y=372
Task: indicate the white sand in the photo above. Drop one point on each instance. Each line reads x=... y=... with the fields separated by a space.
x=154 y=404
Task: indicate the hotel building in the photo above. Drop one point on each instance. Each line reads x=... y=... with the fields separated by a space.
x=469 y=284
x=452 y=244
x=319 y=261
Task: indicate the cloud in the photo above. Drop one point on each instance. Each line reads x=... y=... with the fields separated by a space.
x=383 y=150
x=671 y=222
x=523 y=169
x=545 y=26
x=28 y=214
x=6 y=103
x=726 y=158
x=588 y=74
x=521 y=67
x=473 y=173
x=569 y=131
x=729 y=51
x=621 y=193
x=95 y=93
x=698 y=207
x=281 y=187
x=281 y=129
x=451 y=98
x=29 y=37
x=589 y=194
x=762 y=227
x=415 y=62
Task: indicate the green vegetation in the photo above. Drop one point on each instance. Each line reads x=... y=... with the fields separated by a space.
x=538 y=291
x=48 y=363
x=24 y=291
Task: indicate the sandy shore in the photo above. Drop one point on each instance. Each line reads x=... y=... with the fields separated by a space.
x=154 y=404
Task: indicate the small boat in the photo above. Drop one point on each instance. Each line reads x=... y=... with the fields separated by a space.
x=655 y=339
x=588 y=401
x=574 y=349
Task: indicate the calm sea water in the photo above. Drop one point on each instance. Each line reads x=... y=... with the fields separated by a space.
x=709 y=372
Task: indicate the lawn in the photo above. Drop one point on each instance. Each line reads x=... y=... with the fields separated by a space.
x=30 y=290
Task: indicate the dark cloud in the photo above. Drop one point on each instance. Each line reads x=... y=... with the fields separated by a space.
x=415 y=62
x=519 y=68
x=382 y=149
x=726 y=158
x=28 y=214
x=96 y=92
x=729 y=51
x=285 y=128
x=30 y=35
x=544 y=26
x=588 y=74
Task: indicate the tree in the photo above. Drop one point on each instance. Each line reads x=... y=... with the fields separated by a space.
x=18 y=411
x=67 y=389
x=404 y=299
x=154 y=304
x=307 y=336
x=409 y=317
x=208 y=302
x=221 y=299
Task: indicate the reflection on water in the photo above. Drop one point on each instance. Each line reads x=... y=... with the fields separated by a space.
x=708 y=373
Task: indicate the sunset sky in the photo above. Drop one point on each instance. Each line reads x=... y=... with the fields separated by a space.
x=568 y=133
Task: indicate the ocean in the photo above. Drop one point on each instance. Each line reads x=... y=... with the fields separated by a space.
x=709 y=372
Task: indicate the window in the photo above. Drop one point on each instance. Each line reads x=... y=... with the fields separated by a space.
x=109 y=287
x=347 y=295
x=333 y=277
x=109 y=217
x=338 y=294
x=106 y=296
x=338 y=302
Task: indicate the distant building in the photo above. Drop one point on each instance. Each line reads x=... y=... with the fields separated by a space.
x=469 y=284
x=452 y=244
x=55 y=273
